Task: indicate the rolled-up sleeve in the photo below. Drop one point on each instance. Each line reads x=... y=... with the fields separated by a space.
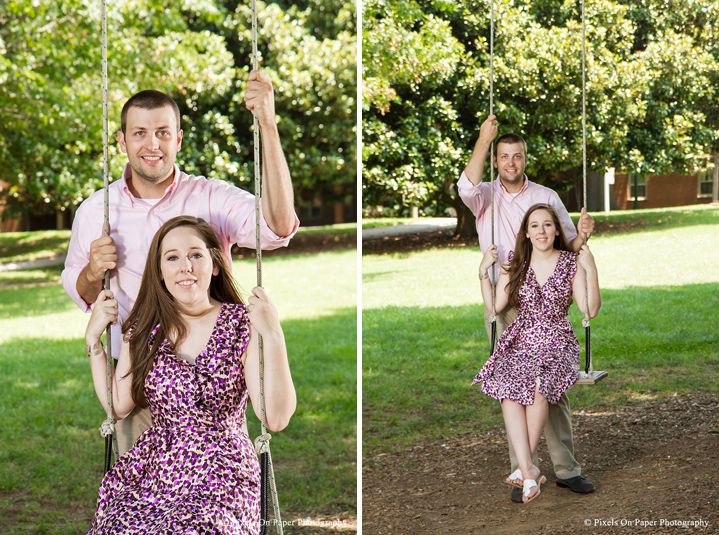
x=471 y=195
x=78 y=255
x=238 y=209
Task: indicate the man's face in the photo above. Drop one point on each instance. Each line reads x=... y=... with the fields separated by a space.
x=511 y=162
x=151 y=142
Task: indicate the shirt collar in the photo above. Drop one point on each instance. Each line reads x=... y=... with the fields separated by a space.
x=504 y=190
x=127 y=173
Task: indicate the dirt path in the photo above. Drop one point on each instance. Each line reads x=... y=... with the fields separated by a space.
x=653 y=463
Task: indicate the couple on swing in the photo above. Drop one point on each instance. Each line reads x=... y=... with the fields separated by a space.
x=539 y=263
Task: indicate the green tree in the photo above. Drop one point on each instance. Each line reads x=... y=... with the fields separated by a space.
x=51 y=147
x=199 y=53
x=651 y=91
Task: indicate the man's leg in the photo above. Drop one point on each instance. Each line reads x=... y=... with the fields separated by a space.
x=131 y=427
x=560 y=443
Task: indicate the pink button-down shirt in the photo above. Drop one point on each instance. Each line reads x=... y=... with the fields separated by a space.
x=509 y=211
x=134 y=222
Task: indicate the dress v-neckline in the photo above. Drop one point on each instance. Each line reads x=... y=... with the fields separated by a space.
x=204 y=349
x=554 y=270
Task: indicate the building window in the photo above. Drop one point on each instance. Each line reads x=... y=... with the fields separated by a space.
x=637 y=188
x=311 y=211
x=706 y=183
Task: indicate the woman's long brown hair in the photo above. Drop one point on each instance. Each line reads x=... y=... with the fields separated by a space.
x=155 y=304
x=523 y=251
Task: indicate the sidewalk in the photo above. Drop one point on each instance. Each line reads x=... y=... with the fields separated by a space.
x=57 y=260
x=413 y=227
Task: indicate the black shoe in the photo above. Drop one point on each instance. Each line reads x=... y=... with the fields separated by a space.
x=517 y=495
x=577 y=484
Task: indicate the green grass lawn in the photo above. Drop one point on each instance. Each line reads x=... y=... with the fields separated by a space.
x=423 y=335
x=51 y=450
x=341 y=228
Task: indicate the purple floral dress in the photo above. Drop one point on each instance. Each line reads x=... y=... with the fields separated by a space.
x=195 y=470
x=540 y=345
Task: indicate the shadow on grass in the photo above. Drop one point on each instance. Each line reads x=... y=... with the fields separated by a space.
x=51 y=455
x=418 y=363
x=16 y=246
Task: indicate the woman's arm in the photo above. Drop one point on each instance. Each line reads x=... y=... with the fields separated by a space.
x=501 y=300
x=280 y=397
x=586 y=279
x=104 y=312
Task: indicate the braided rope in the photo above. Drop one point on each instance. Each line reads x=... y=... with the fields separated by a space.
x=262 y=443
x=493 y=278
x=108 y=427
x=585 y=321
x=584 y=112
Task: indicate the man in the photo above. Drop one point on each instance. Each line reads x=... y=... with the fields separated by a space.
x=514 y=193
x=152 y=190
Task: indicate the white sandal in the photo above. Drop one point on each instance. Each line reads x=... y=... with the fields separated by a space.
x=517 y=474
x=529 y=483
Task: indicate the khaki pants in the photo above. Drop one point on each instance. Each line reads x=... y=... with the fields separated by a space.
x=558 y=429
x=131 y=427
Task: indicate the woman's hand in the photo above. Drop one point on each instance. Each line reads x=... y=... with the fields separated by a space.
x=103 y=312
x=490 y=257
x=586 y=260
x=262 y=313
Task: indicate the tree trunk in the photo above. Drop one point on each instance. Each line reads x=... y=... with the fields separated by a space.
x=466 y=227
x=466 y=223
x=339 y=213
x=578 y=189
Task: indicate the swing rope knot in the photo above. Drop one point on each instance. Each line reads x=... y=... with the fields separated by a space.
x=108 y=427
x=492 y=318
x=262 y=443
x=585 y=322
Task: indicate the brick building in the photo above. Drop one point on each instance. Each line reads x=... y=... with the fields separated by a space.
x=624 y=191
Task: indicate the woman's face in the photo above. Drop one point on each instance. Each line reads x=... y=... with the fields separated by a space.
x=541 y=230
x=186 y=266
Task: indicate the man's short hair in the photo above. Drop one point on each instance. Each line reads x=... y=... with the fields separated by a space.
x=510 y=139
x=149 y=99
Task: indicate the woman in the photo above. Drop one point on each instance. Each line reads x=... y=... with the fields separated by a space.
x=537 y=357
x=190 y=353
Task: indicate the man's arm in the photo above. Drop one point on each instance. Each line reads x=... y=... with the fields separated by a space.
x=277 y=196
x=80 y=278
x=278 y=204
x=475 y=166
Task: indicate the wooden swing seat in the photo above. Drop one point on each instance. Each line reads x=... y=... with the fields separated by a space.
x=590 y=378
